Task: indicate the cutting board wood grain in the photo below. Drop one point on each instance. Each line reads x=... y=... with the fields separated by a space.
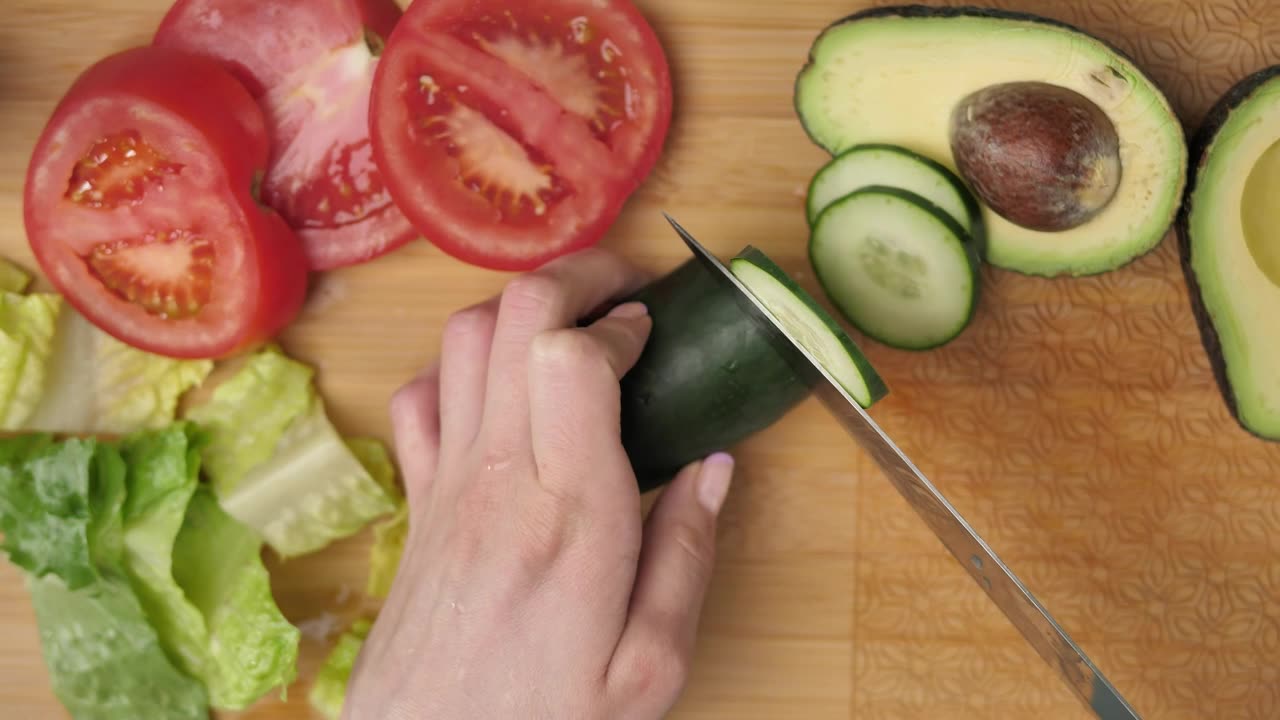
x=1076 y=422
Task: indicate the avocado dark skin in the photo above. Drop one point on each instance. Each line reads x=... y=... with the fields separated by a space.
x=1199 y=145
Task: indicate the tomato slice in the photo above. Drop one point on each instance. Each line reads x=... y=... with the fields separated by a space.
x=139 y=207
x=311 y=66
x=511 y=133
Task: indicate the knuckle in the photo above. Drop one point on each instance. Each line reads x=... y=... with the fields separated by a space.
x=535 y=292
x=657 y=668
x=570 y=348
x=475 y=320
x=542 y=537
x=697 y=546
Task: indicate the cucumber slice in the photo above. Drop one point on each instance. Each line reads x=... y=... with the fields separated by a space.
x=898 y=268
x=810 y=325
x=889 y=165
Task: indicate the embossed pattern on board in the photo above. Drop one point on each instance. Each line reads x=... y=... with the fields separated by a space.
x=1077 y=425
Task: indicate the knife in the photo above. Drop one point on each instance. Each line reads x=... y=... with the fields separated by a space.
x=1009 y=594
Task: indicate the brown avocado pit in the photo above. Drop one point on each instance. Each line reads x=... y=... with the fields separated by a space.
x=1039 y=155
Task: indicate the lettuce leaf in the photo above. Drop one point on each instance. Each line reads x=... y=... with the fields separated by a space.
x=278 y=465
x=97 y=384
x=13 y=279
x=104 y=660
x=218 y=564
x=62 y=510
x=329 y=690
x=384 y=557
x=60 y=507
x=27 y=326
x=199 y=574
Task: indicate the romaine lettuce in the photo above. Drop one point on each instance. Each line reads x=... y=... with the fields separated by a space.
x=27 y=325
x=61 y=508
x=278 y=465
x=329 y=691
x=384 y=557
x=97 y=384
x=199 y=574
x=13 y=278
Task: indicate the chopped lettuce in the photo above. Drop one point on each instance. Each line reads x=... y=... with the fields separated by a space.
x=62 y=510
x=278 y=465
x=13 y=279
x=218 y=564
x=104 y=660
x=329 y=691
x=199 y=574
x=97 y=384
x=384 y=557
x=60 y=507
x=27 y=324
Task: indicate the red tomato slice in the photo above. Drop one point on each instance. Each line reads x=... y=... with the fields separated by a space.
x=139 y=207
x=511 y=133
x=311 y=65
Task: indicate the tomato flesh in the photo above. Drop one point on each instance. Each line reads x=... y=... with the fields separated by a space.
x=168 y=275
x=139 y=208
x=118 y=169
x=311 y=65
x=514 y=134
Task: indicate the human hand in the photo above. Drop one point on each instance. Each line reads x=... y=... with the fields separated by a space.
x=530 y=585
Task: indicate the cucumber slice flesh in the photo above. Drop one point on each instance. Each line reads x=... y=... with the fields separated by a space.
x=898 y=268
x=810 y=325
x=866 y=165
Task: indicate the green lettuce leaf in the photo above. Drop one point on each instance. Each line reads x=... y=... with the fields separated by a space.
x=329 y=691
x=60 y=507
x=62 y=510
x=218 y=564
x=199 y=574
x=97 y=384
x=278 y=465
x=27 y=327
x=13 y=279
x=105 y=661
x=384 y=557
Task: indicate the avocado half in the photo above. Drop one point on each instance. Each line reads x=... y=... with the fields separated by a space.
x=894 y=74
x=1229 y=237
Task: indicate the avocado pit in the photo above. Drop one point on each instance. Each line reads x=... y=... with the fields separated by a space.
x=1258 y=213
x=1042 y=156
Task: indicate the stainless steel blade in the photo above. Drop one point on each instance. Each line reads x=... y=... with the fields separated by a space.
x=992 y=575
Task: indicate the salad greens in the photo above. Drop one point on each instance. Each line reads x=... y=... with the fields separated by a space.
x=62 y=514
x=61 y=374
x=278 y=465
x=384 y=557
x=329 y=691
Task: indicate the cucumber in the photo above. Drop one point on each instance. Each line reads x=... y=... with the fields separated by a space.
x=709 y=376
x=899 y=268
x=890 y=165
x=810 y=325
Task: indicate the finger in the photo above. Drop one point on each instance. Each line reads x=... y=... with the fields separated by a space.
x=552 y=297
x=464 y=365
x=652 y=657
x=415 y=426
x=575 y=404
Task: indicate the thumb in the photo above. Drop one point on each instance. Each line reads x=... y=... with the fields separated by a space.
x=651 y=661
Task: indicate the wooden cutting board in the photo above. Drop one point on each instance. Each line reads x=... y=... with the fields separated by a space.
x=1076 y=423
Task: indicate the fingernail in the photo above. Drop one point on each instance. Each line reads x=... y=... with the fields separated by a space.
x=713 y=481
x=629 y=311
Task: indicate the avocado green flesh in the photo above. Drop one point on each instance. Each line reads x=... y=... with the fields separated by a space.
x=892 y=79
x=1260 y=215
x=1229 y=213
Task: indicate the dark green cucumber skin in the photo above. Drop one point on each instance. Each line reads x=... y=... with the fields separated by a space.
x=970 y=250
x=876 y=388
x=1200 y=146
x=708 y=377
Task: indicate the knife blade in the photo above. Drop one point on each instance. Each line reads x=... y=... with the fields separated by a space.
x=993 y=575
